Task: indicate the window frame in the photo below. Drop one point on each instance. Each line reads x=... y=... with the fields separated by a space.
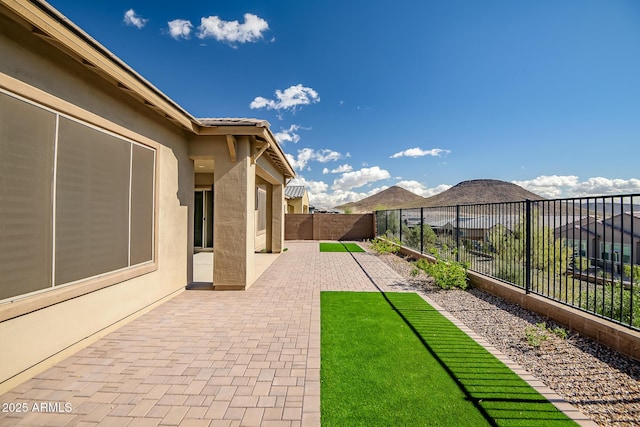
x=19 y=305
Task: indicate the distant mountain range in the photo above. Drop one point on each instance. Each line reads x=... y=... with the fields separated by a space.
x=466 y=192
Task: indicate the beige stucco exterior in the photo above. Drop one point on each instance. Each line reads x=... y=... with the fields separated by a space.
x=298 y=205
x=49 y=62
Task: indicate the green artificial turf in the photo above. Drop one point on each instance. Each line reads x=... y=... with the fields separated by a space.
x=340 y=247
x=391 y=359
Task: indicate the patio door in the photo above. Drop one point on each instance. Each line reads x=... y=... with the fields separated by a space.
x=203 y=219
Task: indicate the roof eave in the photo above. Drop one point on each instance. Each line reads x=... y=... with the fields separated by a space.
x=50 y=25
x=249 y=127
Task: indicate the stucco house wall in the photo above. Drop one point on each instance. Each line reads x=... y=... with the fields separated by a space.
x=49 y=64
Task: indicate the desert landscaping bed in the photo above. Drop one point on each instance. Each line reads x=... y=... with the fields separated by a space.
x=602 y=383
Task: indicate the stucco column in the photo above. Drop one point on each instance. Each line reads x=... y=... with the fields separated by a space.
x=234 y=207
x=277 y=218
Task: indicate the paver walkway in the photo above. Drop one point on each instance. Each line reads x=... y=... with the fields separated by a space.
x=209 y=358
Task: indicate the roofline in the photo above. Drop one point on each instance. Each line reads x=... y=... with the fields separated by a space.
x=259 y=129
x=52 y=26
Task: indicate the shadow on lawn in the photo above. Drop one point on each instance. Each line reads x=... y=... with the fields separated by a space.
x=500 y=395
x=497 y=392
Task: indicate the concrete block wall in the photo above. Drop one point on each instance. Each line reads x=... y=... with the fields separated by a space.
x=328 y=227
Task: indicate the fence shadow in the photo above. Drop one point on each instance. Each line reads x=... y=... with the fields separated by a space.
x=496 y=391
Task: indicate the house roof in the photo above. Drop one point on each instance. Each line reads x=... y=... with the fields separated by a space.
x=50 y=25
x=233 y=121
x=257 y=129
x=294 y=191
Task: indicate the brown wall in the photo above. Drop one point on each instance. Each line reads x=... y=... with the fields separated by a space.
x=328 y=226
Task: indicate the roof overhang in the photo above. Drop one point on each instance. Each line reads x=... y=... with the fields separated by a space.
x=255 y=128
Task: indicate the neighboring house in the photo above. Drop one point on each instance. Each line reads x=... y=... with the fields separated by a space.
x=107 y=187
x=615 y=239
x=297 y=199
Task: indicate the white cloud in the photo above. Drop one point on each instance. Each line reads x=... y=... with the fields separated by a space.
x=130 y=18
x=326 y=155
x=289 y=99
x=288 y=135
x=422 y=190
x=555 y=186
x=300 y=161
x=340 y=169
x=313 y=187
x=419 y=152
x=180 y=28
x=356 y=179
x=233 y=31
x=320 y=198
x=306 y=155
x=604 y=186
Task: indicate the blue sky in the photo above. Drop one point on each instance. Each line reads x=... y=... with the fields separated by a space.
x=424 y=94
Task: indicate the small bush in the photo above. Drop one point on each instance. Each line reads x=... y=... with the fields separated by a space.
x=512 y=273
x=636 y=272
x=535 y=335
x=559 y=332
x=447 y=274
x=613 y=301
x=385 y=246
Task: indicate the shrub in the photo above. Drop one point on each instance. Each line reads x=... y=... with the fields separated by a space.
x=582 y=263
x=636 y=272
x=447 y=274
x=613 y=301
x=512 y=273
x=411 y=236
x=389 y=245
x=535 y=335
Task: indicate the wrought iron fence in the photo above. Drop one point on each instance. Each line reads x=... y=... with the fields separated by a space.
x=582 y=252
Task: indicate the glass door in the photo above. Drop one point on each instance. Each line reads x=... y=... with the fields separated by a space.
x=203 y=219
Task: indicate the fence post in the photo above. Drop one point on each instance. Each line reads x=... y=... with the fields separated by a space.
x=457 y=233
x=527 y=216
x=400 y=224
x=421 y=230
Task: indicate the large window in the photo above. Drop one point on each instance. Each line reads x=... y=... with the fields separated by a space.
x=75 y=201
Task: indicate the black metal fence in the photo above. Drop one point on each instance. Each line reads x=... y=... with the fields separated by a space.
x=583 y=252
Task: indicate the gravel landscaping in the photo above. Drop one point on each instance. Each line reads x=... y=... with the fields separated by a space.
x=602 y=383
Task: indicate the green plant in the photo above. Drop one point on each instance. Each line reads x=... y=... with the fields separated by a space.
x=628 y=269
x=540 y=332
x=388 y=245
x=511 y=272
x=447 y=274
x=535 y=336
x=546 y=252
x=559 y=332
x=411 y=236
x=612 y=300
x=582 y=263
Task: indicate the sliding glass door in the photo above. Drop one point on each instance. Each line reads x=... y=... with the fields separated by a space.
x=203 y=219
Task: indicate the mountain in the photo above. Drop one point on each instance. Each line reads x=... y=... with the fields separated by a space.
x=464 y=193
x=387 y=199
x=477 y=191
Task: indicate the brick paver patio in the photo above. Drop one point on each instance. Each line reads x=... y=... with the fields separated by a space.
x=209 y=358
